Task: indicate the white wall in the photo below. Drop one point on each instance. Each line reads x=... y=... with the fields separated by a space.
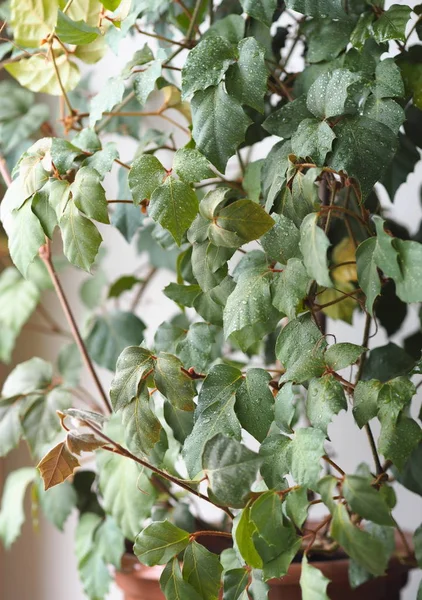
x=41 y=565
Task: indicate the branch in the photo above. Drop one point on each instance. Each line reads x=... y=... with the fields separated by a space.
x=45 y=255
x=4 y=171
x=59 y=79
x=192 y=23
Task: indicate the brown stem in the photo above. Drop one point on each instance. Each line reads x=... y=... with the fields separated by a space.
x=197 y=534
x=176 y=481
x=345 y=295
x=59 y=79
x=192 y=23
x=334 y=465
x=4 y=171
x=143 y=287
x=160 y=37
x=45 y=255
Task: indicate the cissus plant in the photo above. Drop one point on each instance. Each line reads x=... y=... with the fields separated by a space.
x=232 y=401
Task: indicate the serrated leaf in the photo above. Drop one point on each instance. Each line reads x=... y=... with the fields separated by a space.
x=284 y=408
x=314 y=244
x=255 y=403
x=366 y=550
x=133 y=366
x=281 y=242
x=275 y=451
x=159 y=542
x=300 y=348
x=12 y=514
x=366 y=501
x=234 y=584
x=202 y=569
x=386 y=111
x=146 y=174
x=340 y=356
x=174 y=586
x=174 y=205
x=214 y=413
x=102 y=160
x=142 y=428
x=173 y=383
x=57 y=465
x=75 y=32
x=367 y=271
x=191 y=165
x=239 y=223
x=81 y=239
x=404 y=162
x=18 y=299
x=261 y=10
x=285 y=121
x=312 y=582
x=391 y=25
x=247 y=78
x=318 y=8
x=313 y=139
x=144 y=82
x=206 y=64
x=290 y=288
x=297 y=505
x=195 y=350
x=328 y=95
x=111 y=334
x=219 y=125
x=39 y=75
x=325 y=399
x=231 y=469
x=306 y=451
x=398 y=440
x=388 y=80
x=110 y=95
x=364 y=149
x=362 y=30
x=89 y=195
x=57 y=503
x=326 y=38
x=243 y=529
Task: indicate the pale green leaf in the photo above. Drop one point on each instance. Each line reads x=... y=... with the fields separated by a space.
x=290 y=288
x=81 y=239
x=328 y=95
x=39 y=75
x=191 y=165
x=144 y=82
x=313 y=139
x=146 y=174
x=325 y=399
x=366 y=501
x=340 y=356
x=261 y=10
x=314 y=244
x=12 y=514
x=307 y=449
x=110 y=95
x=159 y=542
x=89 y=195
x=312 y=582
x=18 y=299
x=32 y=20
x=173 y=383
x=133 y=366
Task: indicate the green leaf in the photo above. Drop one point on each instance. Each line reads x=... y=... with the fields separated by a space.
x=325 y=399
x=340 y=356
x=411 y=71
x=366 y=501
x=388 y=80
x=37 y=75
x=196 y=349
x=32 y=20
x=307 y=449
x=392 y=24
x=363 y=548
x=111 y=4
x=249 y=313
x=124 y=284
x=173 y=383
x=243 y=529
x=30 y=376
x=231 y=469
x=111 y=334
x=300 y=349
x=12 y=514
x=146 y=174
x=133 y=366
x=81 y=239
x=313 y=139
x=142 y=428
x=290 y=288
x=110 y=95
x=285 y=121
x=127 y=493
x=40 y=423
x=394 y=397
x=281 y=242
x=182 y=294
x=75 y=32
x=386 y=362
x=314 y=244
x=261 y=10
x=246 y=80
x=417 y=538
x=159 y=542
x=230 y=27
x=102 y=160
x=398 y=440
x=318 y=8
x=219 y=125
x=366 y=401
x=214 y=413
x=10 y=425
x=18 y=299
x=326 y=38
x=89 y=195
x=244 y=219
x=367 y=272
x=57 y=503
x=410 y=476
x=404 y=162
x=362 y=30
x=312 y=582
x=328 y=95
x=284 y=408
x=206 y=64
x=174 y=205
x=385 y=111
x=174 y=586
x=25 y=234
x=191 y=165
x=144 y=82
x=255 y=403
x=275 y=538
x=275 y=450
x=364 y=149
x=202 y=569
x=252 y=179
x=234 y=584
x=297 y=505
x=274 y=172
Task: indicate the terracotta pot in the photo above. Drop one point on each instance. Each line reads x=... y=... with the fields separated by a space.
x=142 y=583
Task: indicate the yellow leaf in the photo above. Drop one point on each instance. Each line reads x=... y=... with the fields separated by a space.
x=342 y=253
x=340 y=310
x=32 y=20
x=38 y=74
x=93 y=52
x=57 y=465
x=85 y=10
x=172 y=99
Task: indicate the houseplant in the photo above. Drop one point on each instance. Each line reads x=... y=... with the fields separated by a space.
x=254 y=360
